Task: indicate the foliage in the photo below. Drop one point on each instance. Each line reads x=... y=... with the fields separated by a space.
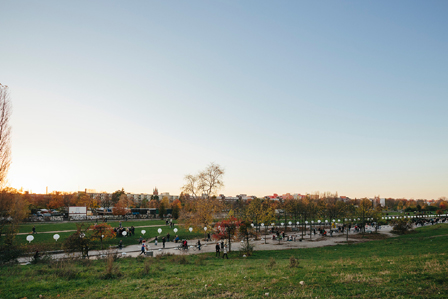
x=79 y=241
x=206 y=183
x=226 y=229
x=101 y=232
x=401 y=226
x=121 y=207
x=245 y=232
x=200 y=212
x=117 y=195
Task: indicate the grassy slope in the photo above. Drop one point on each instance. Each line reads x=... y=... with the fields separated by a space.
x=411 y=266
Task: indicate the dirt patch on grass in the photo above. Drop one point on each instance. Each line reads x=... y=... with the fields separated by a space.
x=229 y=295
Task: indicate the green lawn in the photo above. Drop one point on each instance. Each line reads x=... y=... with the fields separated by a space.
x=45 y=241
x=48 y=227
x=410 y=266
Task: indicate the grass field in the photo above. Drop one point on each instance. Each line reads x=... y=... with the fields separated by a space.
x=48 y=227
x=409 y=266
x=45 y=241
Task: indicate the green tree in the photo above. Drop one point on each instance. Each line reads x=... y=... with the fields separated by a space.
x=116 y=196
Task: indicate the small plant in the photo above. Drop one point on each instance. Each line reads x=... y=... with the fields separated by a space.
x=293 y=262
x=112 y=270
x=272 y=263
x=147 y=266
x=200 y=260
x=181 y=259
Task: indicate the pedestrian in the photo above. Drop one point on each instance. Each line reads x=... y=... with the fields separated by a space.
x=218 y=254
x=143 y=249
x=168 y=237
x=208 y=237
x=120 y=224
x=140 y=240
x=163 y=241
x=120 y=245
x=36 y=255
x=222 y=245
x=155 y=240
x=199 y=244
x=34 y=229
x=224 y=253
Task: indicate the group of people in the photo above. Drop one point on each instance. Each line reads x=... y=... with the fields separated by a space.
x=129 y=231
x=221 y=247
x=169 y=222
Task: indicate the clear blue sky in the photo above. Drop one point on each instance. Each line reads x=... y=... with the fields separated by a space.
x=290 y=96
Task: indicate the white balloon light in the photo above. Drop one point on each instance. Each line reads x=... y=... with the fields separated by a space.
x=30 y=238
x=190 y=229
x=143 y=231
x=124 y=233
x=289 y=222
x=56 y=237
x=282 y=224
x=175 y=230
x=205 y=228
x=159 y=230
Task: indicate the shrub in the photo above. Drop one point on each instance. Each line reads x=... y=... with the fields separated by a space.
x=293 y=262
x=272 y=263
x=401 y=226
x=112 y=270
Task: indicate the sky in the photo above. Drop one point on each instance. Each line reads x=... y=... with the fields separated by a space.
x=290 y=96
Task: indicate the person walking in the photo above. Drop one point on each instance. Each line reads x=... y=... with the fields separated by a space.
x=155 y=240
x=120 y=244
x=224 y=252
x=208 y=237
x=218 y=254
x=199 y=244
x=222 y=245
x=140 y=240
x=163 y=241
x=34 y=229
x=168 y=237
x=143 y=249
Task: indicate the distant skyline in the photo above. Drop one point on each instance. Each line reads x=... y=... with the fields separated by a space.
x=289 y=97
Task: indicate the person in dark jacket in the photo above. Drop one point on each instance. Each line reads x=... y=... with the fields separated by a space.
x=218 y=254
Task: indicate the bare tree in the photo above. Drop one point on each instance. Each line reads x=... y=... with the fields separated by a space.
x=206 y=183
x=5 y=133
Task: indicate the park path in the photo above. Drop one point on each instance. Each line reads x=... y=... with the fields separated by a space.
x=207 y=247
x=74 y=230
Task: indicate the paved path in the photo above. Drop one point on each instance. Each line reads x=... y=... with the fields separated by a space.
x=268 y=244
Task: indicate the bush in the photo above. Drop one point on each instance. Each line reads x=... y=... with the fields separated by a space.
x=112 y=270
x=293 y=262
x=272 y=263
x=401 y=226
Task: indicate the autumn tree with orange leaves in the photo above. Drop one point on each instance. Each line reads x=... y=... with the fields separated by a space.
x=101 y=232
